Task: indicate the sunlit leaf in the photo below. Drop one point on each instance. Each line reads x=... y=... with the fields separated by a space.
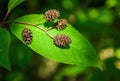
x=80 y=51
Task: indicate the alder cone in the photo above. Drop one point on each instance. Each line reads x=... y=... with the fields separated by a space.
x=61 y=24
x=27 y=36
x=52 y=14
x=61 y=40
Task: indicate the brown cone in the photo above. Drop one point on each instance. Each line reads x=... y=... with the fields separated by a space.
x=61 y=24
x=52 y=14
x=61 y=40
x=27 y=36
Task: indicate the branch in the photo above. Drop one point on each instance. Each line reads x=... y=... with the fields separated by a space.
x=37 y=26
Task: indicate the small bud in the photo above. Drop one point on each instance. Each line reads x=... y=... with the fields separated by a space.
x=61 y=40
x=27 y=36
x=52 y=14
x=61 y=24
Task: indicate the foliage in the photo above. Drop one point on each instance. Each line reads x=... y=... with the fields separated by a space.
x=42 y=44
x=97 y=21
x=13 y=3
x=4 y=48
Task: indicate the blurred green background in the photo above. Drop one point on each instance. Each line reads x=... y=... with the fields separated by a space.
x=97 y=20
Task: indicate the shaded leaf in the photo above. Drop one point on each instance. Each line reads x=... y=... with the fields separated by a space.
x=80 y=51
x=4 y=48
x=20 y=55
x=13 y=3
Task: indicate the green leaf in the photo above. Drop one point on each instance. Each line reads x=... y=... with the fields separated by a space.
x=13 y=3
x=80 y=52
x=4 y=48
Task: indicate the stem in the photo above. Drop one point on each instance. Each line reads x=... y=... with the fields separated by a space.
x=48 y=34
x=29 y=24
x=36 y=25
x=5 y=17
x=49 y=28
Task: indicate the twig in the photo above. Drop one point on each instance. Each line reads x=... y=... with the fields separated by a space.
x=49 y=28
x=36 y=25
x=48 y=34
x=29 y=24
x=5 y=18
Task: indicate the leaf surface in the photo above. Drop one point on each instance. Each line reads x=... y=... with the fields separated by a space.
x=80 y=51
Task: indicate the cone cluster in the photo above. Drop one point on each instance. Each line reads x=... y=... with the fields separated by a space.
x=52 y=14
x=60 y=40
